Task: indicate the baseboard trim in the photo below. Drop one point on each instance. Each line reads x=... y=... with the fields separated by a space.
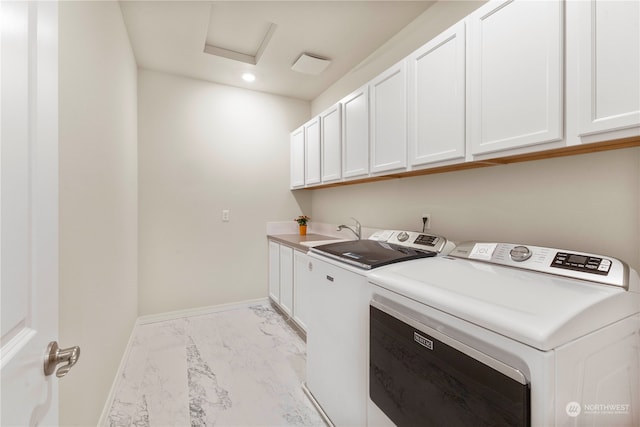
x=104 y=417
x=200 y=311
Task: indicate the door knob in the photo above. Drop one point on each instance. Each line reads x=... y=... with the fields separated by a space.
x=56 y=355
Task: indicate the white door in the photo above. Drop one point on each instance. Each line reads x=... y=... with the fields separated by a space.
x=286 y=279
x=312 y=152
x=330 y=134
x=355 y=134
x=515 y=74
x=29 y=210
x=297 y=158
x=300 y=288
x=608 y=40
x=274 y=271
x=436 y=74
x=388 y=120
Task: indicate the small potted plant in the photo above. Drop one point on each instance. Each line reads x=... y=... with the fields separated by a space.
x=302 y=222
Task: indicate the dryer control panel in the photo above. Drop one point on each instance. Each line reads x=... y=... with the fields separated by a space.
x=585 y=263
x=577 y=265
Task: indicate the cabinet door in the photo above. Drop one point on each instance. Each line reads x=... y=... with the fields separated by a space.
x=286 y=279
x=274 y=271
x=312 y=152
x=388 y=119
x=297 y=158
x=436 y=75
x=300 y=288
x=355 y=134
x=515 y=74
x=331 y=137
x=608 y=40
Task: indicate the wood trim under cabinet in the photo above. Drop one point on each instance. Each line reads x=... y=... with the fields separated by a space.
x=541 y=155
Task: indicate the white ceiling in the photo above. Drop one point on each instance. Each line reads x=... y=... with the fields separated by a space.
x=170 y=36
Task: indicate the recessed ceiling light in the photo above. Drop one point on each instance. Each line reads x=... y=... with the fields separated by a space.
x=248 y=77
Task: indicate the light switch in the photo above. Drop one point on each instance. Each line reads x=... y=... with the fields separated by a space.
x=225 y=215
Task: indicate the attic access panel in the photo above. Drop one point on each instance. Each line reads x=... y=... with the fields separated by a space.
x=237 y=36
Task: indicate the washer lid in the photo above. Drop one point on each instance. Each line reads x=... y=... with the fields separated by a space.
x=541 y=310
x=385 y=247
x=370 y=254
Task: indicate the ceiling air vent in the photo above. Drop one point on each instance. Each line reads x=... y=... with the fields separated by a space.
x=310 y=64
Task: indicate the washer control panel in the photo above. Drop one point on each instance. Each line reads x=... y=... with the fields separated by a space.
x=415 y=240
x=576 y=265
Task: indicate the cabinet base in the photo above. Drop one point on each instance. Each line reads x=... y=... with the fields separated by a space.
x=290 y=321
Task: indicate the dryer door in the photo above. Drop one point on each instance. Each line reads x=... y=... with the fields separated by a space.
x=419 y=376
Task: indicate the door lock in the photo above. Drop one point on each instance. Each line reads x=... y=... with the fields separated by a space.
x=55 y=355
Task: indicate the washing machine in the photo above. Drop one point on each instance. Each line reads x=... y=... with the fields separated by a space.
x=338 y=316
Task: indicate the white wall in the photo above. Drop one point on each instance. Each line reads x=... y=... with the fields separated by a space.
x=203 y=148
x=98 y=201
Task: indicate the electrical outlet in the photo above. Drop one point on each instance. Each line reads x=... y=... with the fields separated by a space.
x=225 y=215
x=426 y=221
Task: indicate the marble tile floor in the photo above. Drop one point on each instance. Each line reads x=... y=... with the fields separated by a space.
x=238 y=367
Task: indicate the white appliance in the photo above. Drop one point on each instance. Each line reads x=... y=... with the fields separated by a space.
x=503 y=334
x=338 y=318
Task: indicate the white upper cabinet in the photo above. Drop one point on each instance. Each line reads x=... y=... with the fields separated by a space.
x=355 y=134
x=515 y=74
x=492 y=85
x=436 y=74
x=606 y=38
x=297 y=158
x=388 y=119
x=331 y=136
x=312 y=152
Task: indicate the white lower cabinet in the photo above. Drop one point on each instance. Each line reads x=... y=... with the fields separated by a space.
x=337 y=342
x=288 y=281
x=281 y=276
x=301 y=300
x=274 y=271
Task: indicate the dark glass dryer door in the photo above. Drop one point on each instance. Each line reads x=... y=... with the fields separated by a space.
x=417 y=379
